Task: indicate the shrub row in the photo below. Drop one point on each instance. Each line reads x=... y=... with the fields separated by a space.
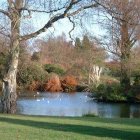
x=55 y=84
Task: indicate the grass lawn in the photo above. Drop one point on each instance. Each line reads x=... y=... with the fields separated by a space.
x=18 y=127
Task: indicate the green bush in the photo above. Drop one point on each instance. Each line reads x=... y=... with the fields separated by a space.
x=109 y=92
x=51 y=68
x=81 y=88
x=90 y=115
x=116 y=93
x=133 y=94
x=137 y=80
x=3 y=62
x=33 y=72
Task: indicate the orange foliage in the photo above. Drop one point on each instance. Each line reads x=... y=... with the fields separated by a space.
x=69 y=83
x=53 y=85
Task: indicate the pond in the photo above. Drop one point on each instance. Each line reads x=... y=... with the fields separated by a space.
x=78 y=104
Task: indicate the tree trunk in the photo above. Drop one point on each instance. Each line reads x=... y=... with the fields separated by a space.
x=9 y=81
x=94 y=74
x=125 y=55
x=125 y=73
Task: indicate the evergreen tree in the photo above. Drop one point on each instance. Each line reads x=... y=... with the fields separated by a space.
x=35 y=56
x=78 y=43
x=86 y=44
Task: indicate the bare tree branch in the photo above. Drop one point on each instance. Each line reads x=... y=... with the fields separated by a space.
x=5 y=13
x=73 y=23
x=42 y=11
x=58 y=17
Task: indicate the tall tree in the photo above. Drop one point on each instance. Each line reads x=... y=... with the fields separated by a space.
x=78 y=44
x=122 y=25
x=86 y=44
x=18 y=10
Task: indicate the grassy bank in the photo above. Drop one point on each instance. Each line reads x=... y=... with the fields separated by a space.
x=16 y=127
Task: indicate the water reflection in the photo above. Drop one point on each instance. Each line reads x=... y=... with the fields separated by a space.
x=57 y=105
x=78 y=104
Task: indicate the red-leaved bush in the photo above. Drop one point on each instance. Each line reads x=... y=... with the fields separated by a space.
x=53 y=84
x=69 y=83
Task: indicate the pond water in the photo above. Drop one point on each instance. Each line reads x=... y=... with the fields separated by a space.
x=78 y=104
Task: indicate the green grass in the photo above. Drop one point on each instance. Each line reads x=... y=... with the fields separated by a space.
x=17 y=127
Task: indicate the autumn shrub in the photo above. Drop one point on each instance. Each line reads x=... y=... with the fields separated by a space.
x=51 y=68
x=79 y=72
x=69 y=83
x=30 y=75
x=53 y=84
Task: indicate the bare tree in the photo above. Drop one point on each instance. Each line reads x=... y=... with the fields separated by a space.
x=16 y=11
x=123 y=22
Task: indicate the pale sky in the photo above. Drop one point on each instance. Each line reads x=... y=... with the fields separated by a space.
x=65 y=26
x=59 y=27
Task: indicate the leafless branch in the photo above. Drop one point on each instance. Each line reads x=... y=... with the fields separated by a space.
x=42 y=11
x=73 y=23
x=58 y=17
x=5 y=13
